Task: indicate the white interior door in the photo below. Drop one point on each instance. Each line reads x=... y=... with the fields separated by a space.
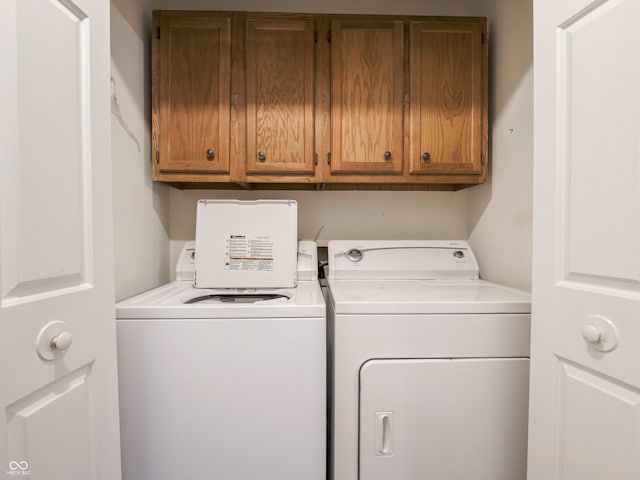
x=59 y=417
x=585 y=355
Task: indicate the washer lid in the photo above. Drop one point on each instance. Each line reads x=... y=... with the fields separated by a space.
x=178 y=300
x=246 y=244
x=425 y=297
x=407 y=259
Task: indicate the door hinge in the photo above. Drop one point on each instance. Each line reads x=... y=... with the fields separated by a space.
x=315 y=36
x=157 y=157
x=158 y=32
x=483 y=38
x=329 y=158
x=329 y=36
x=315 y=159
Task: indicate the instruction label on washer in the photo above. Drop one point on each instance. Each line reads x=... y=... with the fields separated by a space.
x=248 y=253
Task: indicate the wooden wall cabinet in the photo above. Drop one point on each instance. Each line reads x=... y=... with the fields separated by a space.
x=340 y=101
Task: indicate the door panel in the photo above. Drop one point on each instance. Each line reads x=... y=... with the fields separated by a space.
x=612 y=432
x=58 y=405
x=48 y=239
x=586 y=267
x=37 y=423
x=454 y=419
x=599 y=147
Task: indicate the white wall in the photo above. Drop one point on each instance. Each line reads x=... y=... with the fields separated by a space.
x=500 y=212
x=141 y=208
x=495 y=217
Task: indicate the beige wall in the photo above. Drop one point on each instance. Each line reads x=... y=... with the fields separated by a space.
x=343 y=215
x=500 y=212
x=141 y=208
x=495 y=217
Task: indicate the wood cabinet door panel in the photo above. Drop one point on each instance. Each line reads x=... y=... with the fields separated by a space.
x=446 y=98
x=367 y=96
x=194 y=85
x=280 y=95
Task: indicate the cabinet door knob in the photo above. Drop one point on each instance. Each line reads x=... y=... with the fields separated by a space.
x=210 y=154
x=426 y=157
x=262 y=156
x=387 y=155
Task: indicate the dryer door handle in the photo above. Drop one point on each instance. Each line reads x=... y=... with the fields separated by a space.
x=384 y=433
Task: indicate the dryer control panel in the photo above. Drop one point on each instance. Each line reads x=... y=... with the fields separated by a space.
x=402 y=260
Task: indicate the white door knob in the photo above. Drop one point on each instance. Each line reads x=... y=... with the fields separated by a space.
x=591 y=334
x=61 y=342
x=53 y=341
x=600 y=333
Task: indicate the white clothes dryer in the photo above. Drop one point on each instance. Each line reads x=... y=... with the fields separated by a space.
x=428 y=365
x=225 y=384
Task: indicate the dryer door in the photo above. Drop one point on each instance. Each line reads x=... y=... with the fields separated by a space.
x=444 y=419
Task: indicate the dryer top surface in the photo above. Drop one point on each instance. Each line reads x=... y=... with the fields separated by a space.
x=425 y=297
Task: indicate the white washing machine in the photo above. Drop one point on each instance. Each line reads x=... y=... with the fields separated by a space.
x=225 y=383
x=429 y=365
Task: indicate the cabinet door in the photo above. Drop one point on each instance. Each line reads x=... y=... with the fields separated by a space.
x=191 y=93
x=366 y=96
x=280 y=95
x=447 y=97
